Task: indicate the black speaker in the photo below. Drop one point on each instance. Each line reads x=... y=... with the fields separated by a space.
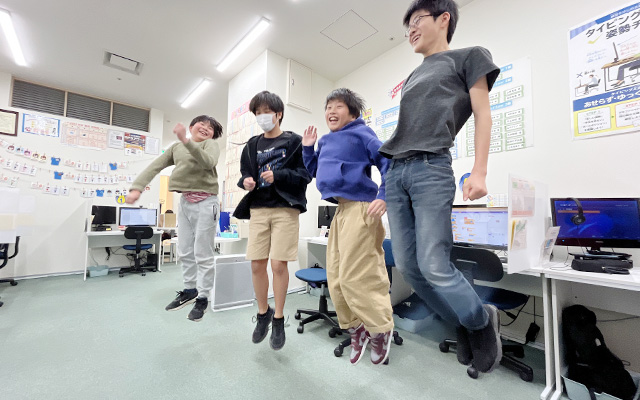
x=152 y=260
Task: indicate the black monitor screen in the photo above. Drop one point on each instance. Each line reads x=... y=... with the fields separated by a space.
x=608 y=222
x=131 y=216
x=480 y=227
x=325 y=215
x=103 y=215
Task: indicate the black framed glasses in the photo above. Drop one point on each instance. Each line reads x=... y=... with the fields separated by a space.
x=416 y=21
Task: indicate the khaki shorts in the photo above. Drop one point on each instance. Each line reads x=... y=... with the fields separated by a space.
x=273 y=233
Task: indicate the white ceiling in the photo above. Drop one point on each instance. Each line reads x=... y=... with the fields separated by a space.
x=180 y=43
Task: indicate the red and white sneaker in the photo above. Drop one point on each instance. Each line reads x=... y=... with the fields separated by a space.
x=380 y=346
x=359 y=340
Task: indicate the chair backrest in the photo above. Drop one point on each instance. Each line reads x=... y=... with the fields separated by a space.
x=388 y=254
x=484 y=265
x=143 y=232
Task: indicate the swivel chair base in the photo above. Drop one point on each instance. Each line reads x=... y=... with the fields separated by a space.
x=321 y=313
x=524 y=371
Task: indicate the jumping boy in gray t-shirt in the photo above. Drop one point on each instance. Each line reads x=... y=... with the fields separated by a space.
x=437 y=99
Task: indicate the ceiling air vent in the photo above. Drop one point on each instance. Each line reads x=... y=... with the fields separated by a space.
x=122 y=63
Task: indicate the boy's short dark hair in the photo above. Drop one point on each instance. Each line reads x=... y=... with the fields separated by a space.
x=215 y=125
x=271 y=100
x=348 y=97
x=436 y=8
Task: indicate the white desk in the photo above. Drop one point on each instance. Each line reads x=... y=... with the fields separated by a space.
x=115 y=238
x=173 y=254
x=619 y=293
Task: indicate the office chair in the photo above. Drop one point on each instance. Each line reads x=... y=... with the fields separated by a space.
x=397 y=339
x=5 y=257
x=138 y=233
x=318 y=277
x=484 y=265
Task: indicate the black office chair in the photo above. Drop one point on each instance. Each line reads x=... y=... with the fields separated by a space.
x=5 y=257
x=484 y=265
x=317 y=277
x=138 y=233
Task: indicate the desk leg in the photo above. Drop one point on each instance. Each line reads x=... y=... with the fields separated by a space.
x=86 y=256
x=159 y=252
x=549 y=360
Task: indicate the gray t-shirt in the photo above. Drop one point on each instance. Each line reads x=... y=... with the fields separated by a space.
x=435 y=101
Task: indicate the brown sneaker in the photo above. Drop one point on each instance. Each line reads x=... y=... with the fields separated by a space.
x=380 y=346
x=359 y=340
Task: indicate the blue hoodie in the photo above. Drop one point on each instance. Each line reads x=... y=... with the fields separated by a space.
x=342 y=163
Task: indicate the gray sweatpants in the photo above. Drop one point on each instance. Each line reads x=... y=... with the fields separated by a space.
x=197 y=225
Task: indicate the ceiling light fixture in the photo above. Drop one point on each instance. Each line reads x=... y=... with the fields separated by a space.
x=195 y=93
x=10 y=33
x=257 y=30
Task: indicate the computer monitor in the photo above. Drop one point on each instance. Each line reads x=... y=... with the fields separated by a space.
x=325 y=215
x=103 y=215
x=482 y=227
x=132 y=216
x=608 y=222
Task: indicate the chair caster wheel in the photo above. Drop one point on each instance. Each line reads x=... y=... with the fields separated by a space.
x=120 y=275
x=300 y=328
x=472 y=372
x=337 y=352
x=386 y=362
x=526 y=376
x=333 y=332
x=444 y=347
x=143 y=274
x=13 y=283
x=397 y=339
x=297 y=316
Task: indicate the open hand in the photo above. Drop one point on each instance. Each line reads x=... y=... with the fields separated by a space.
x=310 y=136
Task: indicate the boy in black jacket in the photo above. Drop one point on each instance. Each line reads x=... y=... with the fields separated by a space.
x=274 y=173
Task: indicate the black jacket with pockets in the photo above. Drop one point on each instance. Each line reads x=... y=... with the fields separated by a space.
x=290 y=182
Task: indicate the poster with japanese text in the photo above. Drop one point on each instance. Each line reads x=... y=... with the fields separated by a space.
x=134 y=143
x=604 y=68
x=84 y=135
x=242 y=126
x=511 y=103
x=40 y=125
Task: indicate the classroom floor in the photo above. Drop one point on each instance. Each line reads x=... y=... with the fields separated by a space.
x=110 y=338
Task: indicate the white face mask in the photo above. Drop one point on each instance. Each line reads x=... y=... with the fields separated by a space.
x=266 y=122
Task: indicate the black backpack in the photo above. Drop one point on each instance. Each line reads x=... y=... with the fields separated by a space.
x=589 y=360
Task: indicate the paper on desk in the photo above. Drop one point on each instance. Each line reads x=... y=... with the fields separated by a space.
x=518 y=234
x=9 y=199
x=8 y=236
x=547 y=245
x=522 y=197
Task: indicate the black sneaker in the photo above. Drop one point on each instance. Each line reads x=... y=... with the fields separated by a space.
x=485 y=343
x=262 y=326
x=197 y=312
x=183 y=298
x=463 y=346
x=277 y=334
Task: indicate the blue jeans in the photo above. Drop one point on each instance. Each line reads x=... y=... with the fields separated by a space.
x=420 y=191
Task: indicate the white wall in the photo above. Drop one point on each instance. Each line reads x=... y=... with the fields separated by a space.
x=602 y=167
x=57 y=243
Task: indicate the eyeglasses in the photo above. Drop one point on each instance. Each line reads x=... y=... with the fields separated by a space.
x=416 y=21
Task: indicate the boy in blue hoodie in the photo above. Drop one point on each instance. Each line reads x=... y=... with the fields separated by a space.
x=356 y=273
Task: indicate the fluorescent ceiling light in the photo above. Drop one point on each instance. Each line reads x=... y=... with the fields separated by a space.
x=244 y=43
x=196 y=92
x=10 y=33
